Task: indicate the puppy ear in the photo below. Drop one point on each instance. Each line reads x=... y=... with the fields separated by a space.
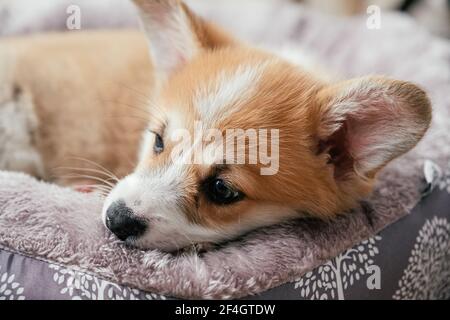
x=175 y=34
x=365 y=123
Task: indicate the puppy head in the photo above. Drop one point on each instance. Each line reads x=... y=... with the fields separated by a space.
x=309 y=147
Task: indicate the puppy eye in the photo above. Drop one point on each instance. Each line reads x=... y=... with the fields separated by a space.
x=219 y=192
x=159 y=144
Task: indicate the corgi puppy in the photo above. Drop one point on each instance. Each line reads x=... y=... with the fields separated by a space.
x=310 y=146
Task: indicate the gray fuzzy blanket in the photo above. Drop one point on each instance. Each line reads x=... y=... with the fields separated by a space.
x=62 y=226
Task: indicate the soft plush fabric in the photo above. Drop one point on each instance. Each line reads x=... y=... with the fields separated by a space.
x=63 y=226
x=410 y=259
x=18 y=17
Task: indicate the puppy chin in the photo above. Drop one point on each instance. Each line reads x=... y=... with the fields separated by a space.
x=168 y=246
x=161 y=245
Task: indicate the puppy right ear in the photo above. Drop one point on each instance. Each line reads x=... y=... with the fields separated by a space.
x=176 y=34
x=365 y=123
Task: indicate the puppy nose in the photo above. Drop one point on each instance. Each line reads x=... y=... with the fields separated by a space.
x=121 y=221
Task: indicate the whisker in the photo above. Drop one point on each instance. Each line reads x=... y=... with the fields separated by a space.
x=158 y=109
x=134 y=107
x=126 y=104
x=108 y=175
x=143 y=95
x=147 y=111
x=145 y=121
x=76 y=176
x=96 y=165
x=96 y=188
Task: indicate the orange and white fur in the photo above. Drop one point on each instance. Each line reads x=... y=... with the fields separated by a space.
x=104 y=97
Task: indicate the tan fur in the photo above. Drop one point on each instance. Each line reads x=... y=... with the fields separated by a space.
x=284 y=101
x=87 y=89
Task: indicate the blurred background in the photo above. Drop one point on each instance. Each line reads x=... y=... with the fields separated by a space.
x=433 y=14
x=21 y=16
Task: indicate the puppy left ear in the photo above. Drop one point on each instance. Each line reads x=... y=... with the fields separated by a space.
x=176 y=34
x=365 y=123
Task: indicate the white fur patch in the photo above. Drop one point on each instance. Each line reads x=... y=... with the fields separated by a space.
x=156 y=196
x=172 y=41
x=226 y=94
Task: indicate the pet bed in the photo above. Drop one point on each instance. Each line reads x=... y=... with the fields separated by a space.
x=53 y=244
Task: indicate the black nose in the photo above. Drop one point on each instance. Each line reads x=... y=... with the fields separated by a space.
x=121 y=221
